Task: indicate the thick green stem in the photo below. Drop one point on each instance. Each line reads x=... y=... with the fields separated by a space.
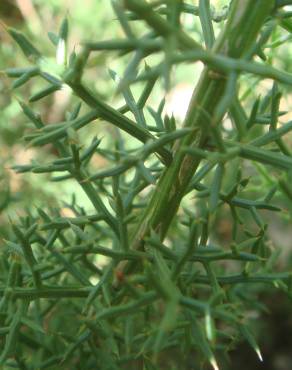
x=236 y=40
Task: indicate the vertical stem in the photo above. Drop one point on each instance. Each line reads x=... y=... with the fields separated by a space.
x=238 y=36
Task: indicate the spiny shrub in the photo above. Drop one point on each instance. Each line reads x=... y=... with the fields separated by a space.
x=142 y=278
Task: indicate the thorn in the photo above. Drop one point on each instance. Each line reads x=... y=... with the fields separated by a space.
x=214 y=364
x=258 y=352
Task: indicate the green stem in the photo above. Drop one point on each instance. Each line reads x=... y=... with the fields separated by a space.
x=83 y=292
x=235 y=41
x=115 y=117
x=164 y=28
x=49 y=292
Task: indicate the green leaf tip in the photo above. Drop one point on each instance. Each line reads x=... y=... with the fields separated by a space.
x=25 y=45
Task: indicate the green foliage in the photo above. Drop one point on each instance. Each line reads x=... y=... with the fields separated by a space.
x=140 y=278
